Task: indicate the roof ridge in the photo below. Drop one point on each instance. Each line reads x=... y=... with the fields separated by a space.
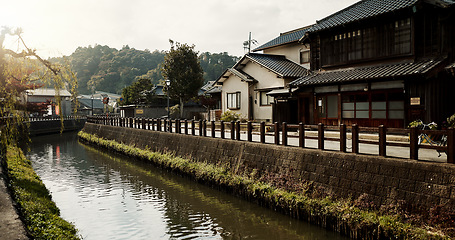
x=340 y=11
x=296 y=30
x=361 y=10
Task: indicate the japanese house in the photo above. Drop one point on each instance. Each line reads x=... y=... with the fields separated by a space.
x=248 y=88
x=380 y=62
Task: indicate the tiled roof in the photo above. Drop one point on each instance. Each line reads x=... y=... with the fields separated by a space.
x=242 y=75
x=284 y=38
x=48 y=92
x=87 y=103
x=369 y=8
x=279 y=65
x=368 y=73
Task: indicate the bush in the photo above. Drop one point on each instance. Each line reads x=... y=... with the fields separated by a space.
x=230 y=116
x=415 y=123
x=451 y=121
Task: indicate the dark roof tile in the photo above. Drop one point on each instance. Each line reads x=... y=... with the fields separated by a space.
x=279 y=65
x=284 y=38
x=369 y=8
x=368 y=73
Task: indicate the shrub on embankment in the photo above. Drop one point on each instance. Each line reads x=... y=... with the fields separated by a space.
x=36 y=208
x=341 y=215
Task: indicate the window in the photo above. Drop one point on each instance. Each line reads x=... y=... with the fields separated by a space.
x=380 y=105
x=265 y=99
x=328 y=106
x=304 y=57
x=233 y=100
x=403 y=36
x=392 y=38
x=396 y=105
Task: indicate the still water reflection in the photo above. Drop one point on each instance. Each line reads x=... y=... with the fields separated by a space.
x=108 y=196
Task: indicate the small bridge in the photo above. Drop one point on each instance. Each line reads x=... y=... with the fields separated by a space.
x=41 y=126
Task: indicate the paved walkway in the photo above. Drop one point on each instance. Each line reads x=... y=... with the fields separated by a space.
x=369 y=149
x=11 y=227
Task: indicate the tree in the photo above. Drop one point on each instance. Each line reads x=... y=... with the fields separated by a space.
x=182 y=68
x=140 y=91
x=20 y=71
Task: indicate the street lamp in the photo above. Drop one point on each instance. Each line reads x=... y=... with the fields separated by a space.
x=168 y=83
x=93 y=91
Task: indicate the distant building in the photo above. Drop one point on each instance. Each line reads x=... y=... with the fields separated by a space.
x=158 y=108
x=49 y=95
x=94 y=104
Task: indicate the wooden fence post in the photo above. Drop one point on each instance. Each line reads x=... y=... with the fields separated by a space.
x=204 y=128
x=284 y=134
x=143 y=123
x=232 y=130
x=200 y=127
x=382 y=141
x=414 y=143
x=170 y=125
x=451 y=145
x=343 y=138
x=131 y=122
x=222 y=129
x=355 y=138
x=262 y=130
x=237 y=131
x=186 y=126
x=301 y=135
x=321 y=136
x=277 y=133
x=213 y=129
x=249 y=131
x=193 y=127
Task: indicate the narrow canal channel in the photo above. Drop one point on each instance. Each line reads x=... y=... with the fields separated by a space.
x=108 y=196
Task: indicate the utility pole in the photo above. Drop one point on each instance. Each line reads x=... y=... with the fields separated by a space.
x=247 y=44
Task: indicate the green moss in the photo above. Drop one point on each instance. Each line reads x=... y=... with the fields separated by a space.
x=39 y=212
x=339 y=215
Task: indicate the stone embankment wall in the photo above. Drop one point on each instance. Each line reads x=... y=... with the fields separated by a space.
x=385 y=180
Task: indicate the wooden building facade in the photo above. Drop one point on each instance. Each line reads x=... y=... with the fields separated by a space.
x=380 y=62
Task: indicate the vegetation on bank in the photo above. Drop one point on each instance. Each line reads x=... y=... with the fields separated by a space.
x=39 y=213
x=345 y=216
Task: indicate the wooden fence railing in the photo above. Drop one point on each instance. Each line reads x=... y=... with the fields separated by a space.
x=281 y=133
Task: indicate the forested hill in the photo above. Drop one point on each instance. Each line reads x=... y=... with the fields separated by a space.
x=107 y=69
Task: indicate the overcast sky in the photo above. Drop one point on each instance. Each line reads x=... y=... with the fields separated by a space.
x=58 y=27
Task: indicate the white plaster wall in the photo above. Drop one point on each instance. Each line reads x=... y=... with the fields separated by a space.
x=231 y=85
x=290 y=51
x=265 y=77
x=266 y=80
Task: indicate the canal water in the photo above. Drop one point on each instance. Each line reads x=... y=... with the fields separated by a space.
x=108 y=196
